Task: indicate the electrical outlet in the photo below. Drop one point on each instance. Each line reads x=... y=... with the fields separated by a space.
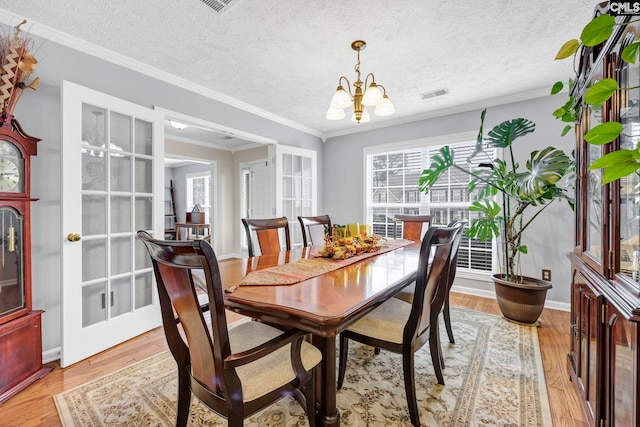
x=546 y=275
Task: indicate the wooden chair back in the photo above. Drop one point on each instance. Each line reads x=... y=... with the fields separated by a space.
x=431 y=283
x=429 y=295
x=206 y=364
x=314 y=226
x=266 y=231
x=172 y=264
x=412 y=226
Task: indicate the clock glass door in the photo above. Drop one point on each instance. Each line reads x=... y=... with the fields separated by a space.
x=12 y=290
x=112 y=187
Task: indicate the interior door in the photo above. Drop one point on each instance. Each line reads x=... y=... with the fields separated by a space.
x=112 y=181
x=296 y=186
x=260 y=199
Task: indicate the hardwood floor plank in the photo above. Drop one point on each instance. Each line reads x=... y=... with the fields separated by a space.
x=34 y=406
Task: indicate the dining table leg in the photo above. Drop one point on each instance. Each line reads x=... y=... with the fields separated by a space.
x=326 y=382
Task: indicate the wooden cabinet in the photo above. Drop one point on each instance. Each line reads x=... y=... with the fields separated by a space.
x=603 y=360
x=20 y=327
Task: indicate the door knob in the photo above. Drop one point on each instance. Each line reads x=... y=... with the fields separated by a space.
x=73 y=237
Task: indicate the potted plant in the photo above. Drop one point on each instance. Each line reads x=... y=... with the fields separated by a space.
x=524 y=194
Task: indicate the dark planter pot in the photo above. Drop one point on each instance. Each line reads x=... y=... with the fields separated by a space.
x=521 y=302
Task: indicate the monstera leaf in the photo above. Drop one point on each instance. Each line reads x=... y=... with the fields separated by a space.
x=488 y=225
x=503 y=135
x=439 y=165
x=544 y=169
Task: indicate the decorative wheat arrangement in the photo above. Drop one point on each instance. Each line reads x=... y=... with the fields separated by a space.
x=17 y=65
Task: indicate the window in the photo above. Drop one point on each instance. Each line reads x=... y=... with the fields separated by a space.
x=198 y=192
x=392 y=188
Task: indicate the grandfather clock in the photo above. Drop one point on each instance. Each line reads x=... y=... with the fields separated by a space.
x=20 y=326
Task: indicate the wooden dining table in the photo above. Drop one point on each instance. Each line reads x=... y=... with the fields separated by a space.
x=324 y=305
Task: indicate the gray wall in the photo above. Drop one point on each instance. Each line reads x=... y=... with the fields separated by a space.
x=549 y=238
x=39 y=113
x=340 y=195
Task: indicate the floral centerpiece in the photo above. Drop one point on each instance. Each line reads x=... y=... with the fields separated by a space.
x=17 y=65
x=346 y=247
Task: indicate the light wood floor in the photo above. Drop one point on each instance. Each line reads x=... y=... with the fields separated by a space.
x=34 y=406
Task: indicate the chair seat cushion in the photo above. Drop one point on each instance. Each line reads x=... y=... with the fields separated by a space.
x=270 y=372
x=385 y=322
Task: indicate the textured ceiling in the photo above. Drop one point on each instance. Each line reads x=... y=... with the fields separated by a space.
x=285 y=56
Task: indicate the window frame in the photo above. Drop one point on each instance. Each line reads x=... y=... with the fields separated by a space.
x=463 y=137
x=188 y=178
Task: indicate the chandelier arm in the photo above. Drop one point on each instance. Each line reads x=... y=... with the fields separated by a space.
x=384 y=91
x=366 y=80
x=348 y=85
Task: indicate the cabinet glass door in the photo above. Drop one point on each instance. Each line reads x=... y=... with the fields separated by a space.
x=630 y=185
x=594 y=208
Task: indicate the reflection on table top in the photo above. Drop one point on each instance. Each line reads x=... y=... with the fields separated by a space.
x=322 y=304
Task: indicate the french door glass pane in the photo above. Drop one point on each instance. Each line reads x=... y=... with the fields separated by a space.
x=121 y=214
x=120 y=172
x=142 y=259
x=286 y=165
x=120 y=296
x=143 y=215
x=94 y=259
x=287 y=187
x=144 y=289
x=144 y=137
x=94 y=170
x=94 y=214
x=144 y=175
x=120 y=255
x=120 y=139
x=94 y=128
x=94 y=303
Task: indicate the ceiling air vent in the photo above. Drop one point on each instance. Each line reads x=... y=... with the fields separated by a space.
x=433 y=94
x=220 y=6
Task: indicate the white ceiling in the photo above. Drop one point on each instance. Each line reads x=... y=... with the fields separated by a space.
x=284 y=57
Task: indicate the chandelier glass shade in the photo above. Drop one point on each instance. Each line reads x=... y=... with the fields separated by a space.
x=375 y=95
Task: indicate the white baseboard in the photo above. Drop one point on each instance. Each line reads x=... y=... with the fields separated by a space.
x=554 y=305
x=51 y=355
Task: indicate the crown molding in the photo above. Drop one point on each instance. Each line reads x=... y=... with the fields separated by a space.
x=64 y=39
x=478 y=105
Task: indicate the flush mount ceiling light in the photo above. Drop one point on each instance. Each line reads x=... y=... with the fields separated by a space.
x=372 y=96
x=177 y=125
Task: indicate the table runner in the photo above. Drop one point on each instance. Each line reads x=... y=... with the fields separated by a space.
x=306 y=268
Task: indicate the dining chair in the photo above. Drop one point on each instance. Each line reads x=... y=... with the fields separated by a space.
x=412 y=226
x=235 y=372
x=404 y=328
x=453 y=267
x=266 y=231
x=406 y=293
x=314 y=226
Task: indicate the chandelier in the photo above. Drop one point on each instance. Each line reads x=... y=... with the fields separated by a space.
x=372 y=96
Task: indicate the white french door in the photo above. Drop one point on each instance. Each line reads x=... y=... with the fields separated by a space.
x=112 y=186
x=296 y=186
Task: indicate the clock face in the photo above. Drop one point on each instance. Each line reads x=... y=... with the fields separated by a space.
x=11 y=168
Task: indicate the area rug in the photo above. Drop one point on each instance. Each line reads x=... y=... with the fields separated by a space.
x=493 y=376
